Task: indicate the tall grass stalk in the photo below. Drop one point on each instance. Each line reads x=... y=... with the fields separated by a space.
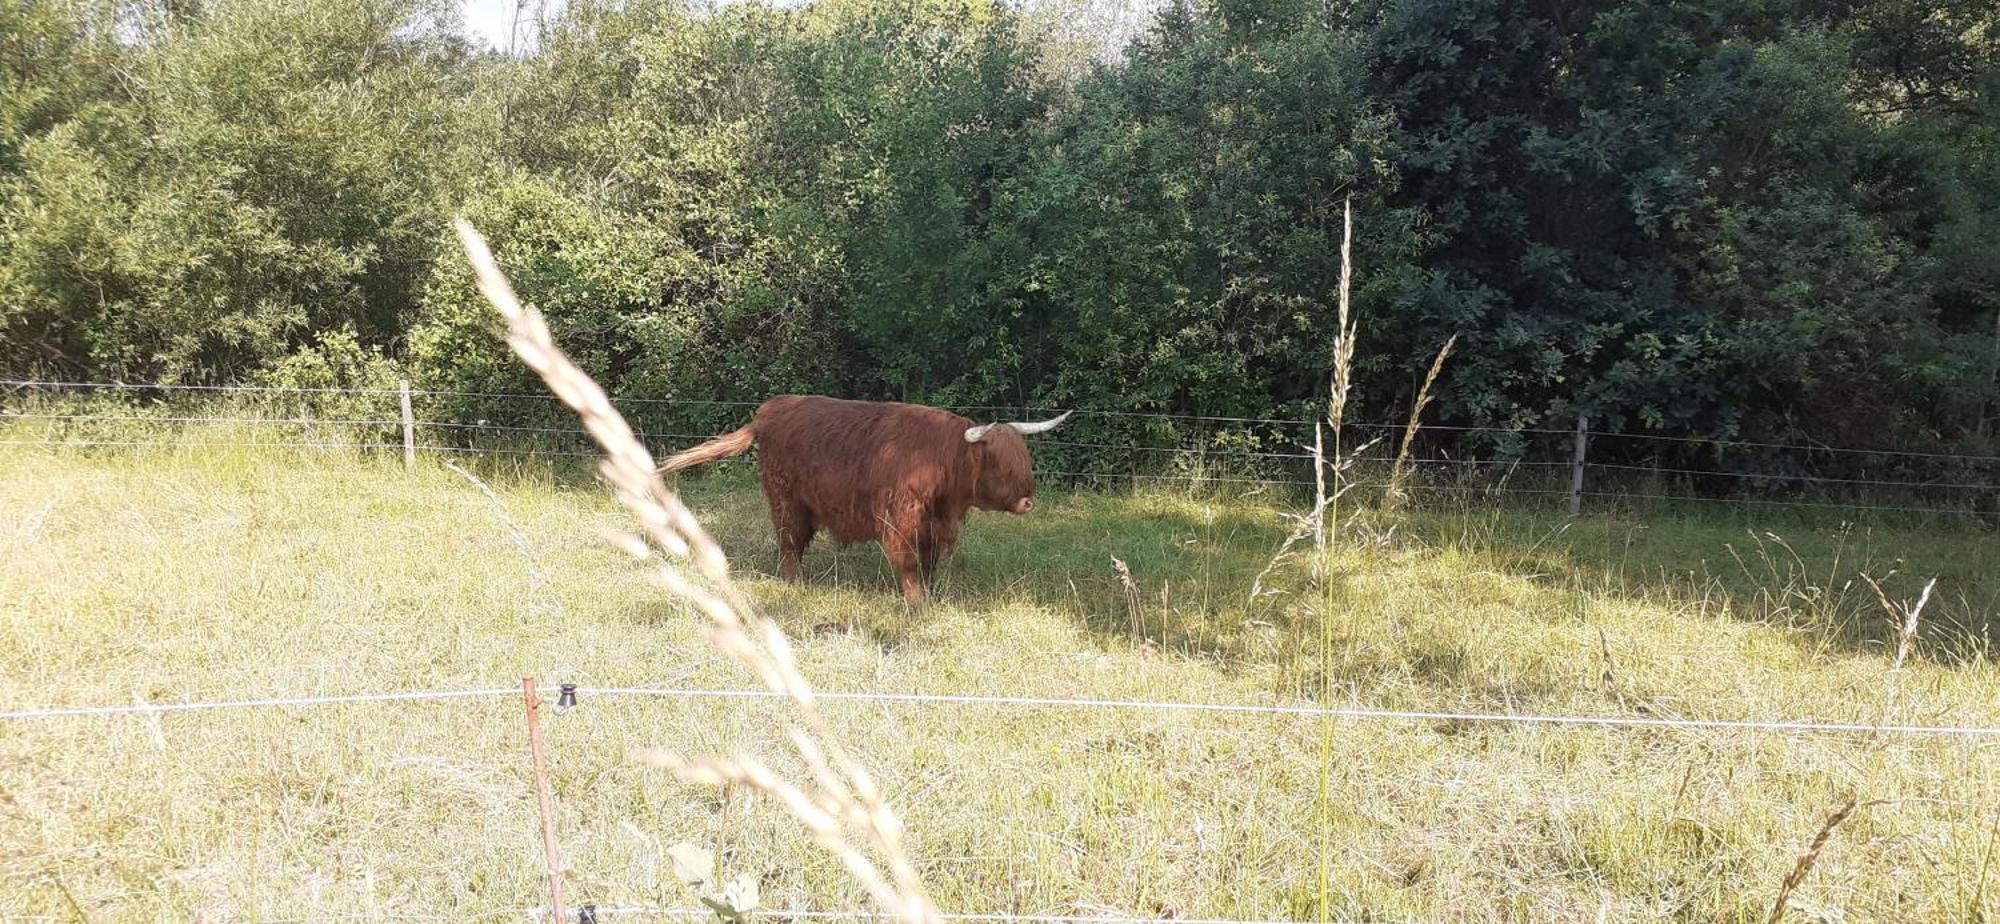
x=1343 y=357
x=1326 y=524
x=842 y=807
x=1806 y=860
x=1906 y=619
x=1132 y=605
x=1393 y=496
x=537 y=579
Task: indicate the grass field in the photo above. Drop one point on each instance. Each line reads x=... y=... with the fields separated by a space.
x=210 y=573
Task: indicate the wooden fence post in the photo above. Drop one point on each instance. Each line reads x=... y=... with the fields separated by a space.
x=1576 y=465
x=409 y=431
x=550 y=853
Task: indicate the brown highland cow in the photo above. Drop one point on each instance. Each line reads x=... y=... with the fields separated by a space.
x=902 y=474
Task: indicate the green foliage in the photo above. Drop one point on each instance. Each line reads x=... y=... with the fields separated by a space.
x=1705 y=221
x=1765 y=220
x=900 y=129
x=754 y=201
x=252 y=176
x=595 y=275
x=337 y=378
x=1184 y=227
x=53 y=66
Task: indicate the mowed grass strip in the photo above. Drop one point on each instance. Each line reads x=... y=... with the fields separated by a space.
x=227 y=572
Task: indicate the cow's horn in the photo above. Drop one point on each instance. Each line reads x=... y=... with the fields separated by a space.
x=975 y=434
x=1030 y=429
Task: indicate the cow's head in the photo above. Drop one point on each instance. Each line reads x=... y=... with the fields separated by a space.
x=1007 y=477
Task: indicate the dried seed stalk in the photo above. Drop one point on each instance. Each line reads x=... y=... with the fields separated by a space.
x=843 y=809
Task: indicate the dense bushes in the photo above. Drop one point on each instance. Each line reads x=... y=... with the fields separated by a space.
x=1725 y=225
x=238 y=184
x=1765 y=220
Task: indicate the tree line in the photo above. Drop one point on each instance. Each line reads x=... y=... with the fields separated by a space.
x=1765 y=220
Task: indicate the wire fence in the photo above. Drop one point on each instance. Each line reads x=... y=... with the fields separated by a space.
x=1780 y=726
x=590 y=913
x=1555 y=462
x=1307 y=423
x=585 y=697
x=969 y=918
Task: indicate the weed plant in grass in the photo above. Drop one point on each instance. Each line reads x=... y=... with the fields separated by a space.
x=210 y=572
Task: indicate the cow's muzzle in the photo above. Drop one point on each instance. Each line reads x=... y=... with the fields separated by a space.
x=1024 y=505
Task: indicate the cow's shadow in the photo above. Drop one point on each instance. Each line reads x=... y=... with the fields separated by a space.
x=1198 y=581
x=1202 y=587
x=1190 y=563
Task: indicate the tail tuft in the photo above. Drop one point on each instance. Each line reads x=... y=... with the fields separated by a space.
x=722 y=447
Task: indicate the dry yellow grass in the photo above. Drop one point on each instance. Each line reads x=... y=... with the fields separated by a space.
x=210 y=573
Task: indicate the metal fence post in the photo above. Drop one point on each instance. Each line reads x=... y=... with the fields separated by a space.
x=1576 y=465
x=538 y=763
x=409 y=431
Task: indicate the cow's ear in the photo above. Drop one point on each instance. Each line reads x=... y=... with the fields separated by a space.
x=975 y=434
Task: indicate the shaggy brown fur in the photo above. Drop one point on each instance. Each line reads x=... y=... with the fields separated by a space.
x=902 y=474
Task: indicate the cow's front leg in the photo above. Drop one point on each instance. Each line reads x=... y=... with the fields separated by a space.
x=908 y=562
x=904 y=542
x=937 y=545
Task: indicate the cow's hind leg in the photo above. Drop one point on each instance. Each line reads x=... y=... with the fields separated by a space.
x=795 y=528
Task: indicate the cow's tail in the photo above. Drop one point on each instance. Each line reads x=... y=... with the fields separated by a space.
x=734 y=443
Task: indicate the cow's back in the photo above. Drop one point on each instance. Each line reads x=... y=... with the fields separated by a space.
x=846 y=460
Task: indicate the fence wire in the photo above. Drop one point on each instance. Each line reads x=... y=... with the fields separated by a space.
x=587 y=694
x=1825 y=505
x=1153 y=415
x=402 y=696
x=1811 y=479
x=1412 y=487
x=601 y=912
x=997 y=917
x=1481 y=476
